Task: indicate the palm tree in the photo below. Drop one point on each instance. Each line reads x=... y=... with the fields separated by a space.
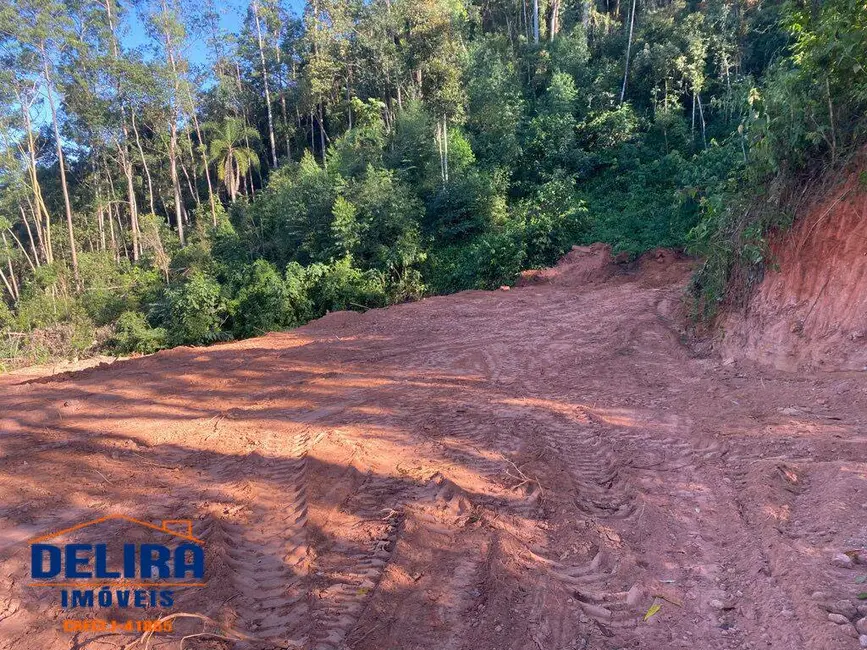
x=230 y=151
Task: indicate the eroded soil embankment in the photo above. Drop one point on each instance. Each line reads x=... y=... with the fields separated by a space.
x=508 y=470
x=810 y=311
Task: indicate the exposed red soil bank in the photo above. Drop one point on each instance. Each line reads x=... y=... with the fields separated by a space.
x=810 y=311
x=508 y=470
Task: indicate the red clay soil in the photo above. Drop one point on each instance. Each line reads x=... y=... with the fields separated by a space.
x=810 y=311
x=530 y=469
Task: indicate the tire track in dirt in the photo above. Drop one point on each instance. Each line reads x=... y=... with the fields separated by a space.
x=798 y=581
x=590 y=583
x=678 y=526
x=599 y=490
x=620 y=488
x=749 y=479
x=259 y=556
x=444 y=554
x=348 y=571
x=439 y=514
x=502 y=471
x=484 y=441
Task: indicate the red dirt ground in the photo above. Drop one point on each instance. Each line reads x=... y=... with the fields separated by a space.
x=511 y=470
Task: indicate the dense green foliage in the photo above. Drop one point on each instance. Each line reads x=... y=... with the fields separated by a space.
x=368 y=153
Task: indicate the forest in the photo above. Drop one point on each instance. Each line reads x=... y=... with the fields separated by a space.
x=165 y=180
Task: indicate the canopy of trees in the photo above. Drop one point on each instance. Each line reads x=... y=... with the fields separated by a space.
x=367 y=152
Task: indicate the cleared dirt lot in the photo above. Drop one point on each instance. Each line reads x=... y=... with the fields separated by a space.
x=491 y=470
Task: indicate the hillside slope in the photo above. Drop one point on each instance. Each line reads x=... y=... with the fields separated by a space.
x=810 y=311
x=506 y=470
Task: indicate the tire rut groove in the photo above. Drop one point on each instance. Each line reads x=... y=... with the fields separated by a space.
x=263 y=553
x=347 y=574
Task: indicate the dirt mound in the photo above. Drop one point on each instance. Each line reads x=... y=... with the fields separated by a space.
x=811 y=310
x=338 y=320
x=662 y=267
x=582 y=265
x=594 y=264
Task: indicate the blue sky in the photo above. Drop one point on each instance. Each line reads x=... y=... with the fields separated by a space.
x=133 y=35
x=231 y=17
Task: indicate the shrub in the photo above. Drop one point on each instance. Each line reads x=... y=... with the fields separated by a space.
x=193 y=259
x=358 y=148
x=6 y=315
x=486 y=262
x=295 y=213
x=134 y=334
x=103 y=299
x=462 y=208
x=112 y=288
x=384 y=224
x=496 y=106
x=552 y=221
x=339 y=285
x=262 y=304
x=193 y=312
x=42 y=308
x=300 y=304
x=68 y=340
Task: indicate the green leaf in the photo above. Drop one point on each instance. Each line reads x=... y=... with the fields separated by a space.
x=655 y=607
x=862 y=595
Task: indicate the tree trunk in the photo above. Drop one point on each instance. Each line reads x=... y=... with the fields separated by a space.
x=348 y=104
x=123 y=153
x=555 y=20
x=120 y=232
x=204 y=158
x=728 y=88
x=66 y=202
x=190 y=183
x=144 y=163
x=8 y=286
x=176 y=183
x=29 y=235
x=100 y=220
x=133 y=207
x=12 y=279
x=111 y=201
x=194 y=183
x=536 y=21
x=441 y=137
x=701 y=114
x=692 y=128
x=246 y=121
x=233 y=179
x=23 y=250
x=39 y=210
x=322 y=135
x=113 y=238
x=265 y=82
x=628 y=52
x=282 y=81
x=173 y=140
x=446 y=147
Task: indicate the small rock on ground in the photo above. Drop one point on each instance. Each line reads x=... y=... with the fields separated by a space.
x=842 y=560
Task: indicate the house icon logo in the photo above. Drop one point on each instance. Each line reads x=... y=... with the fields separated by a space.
x=139 y=568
